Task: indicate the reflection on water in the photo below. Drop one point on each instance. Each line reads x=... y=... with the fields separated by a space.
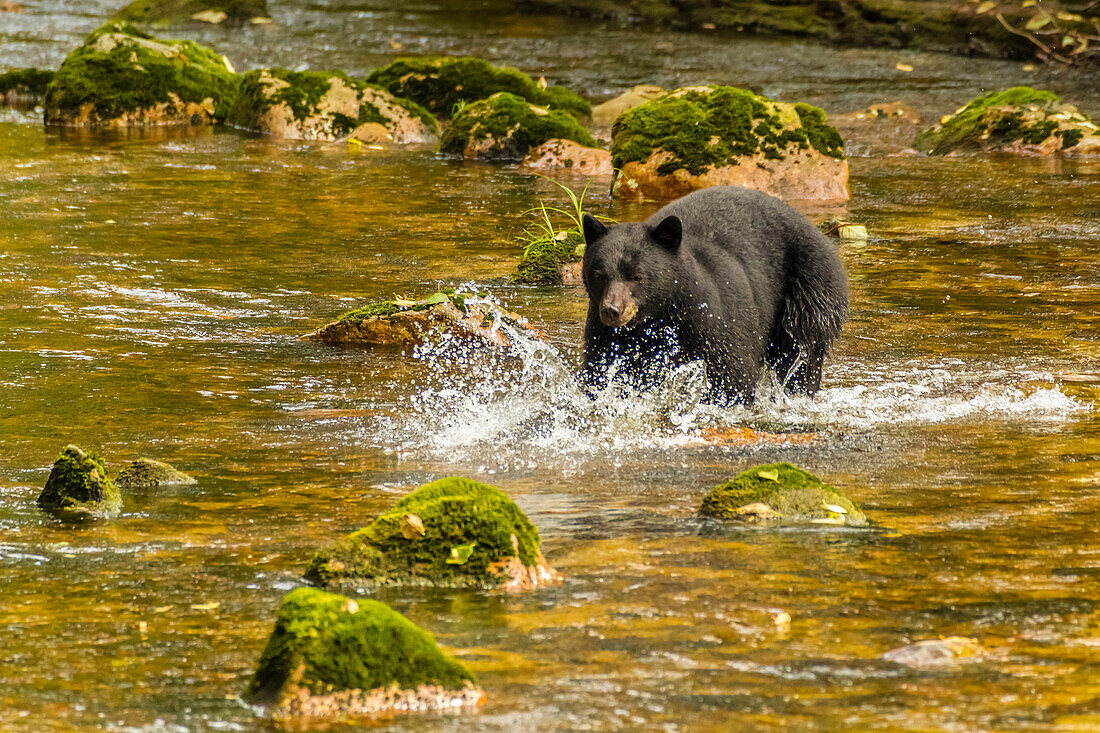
x=152 y=292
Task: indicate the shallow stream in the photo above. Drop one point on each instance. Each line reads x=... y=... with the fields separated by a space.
x=152 y=292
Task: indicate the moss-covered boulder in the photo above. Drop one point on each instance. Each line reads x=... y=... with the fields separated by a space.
x=326 y=105
x=699 y=137
x=1019 y=120
x=163 y=13
x=331 y=656
x=453 y=533
x=146 y=472
x=441 y=84
x=505 y=127
x=780 y=492
x=552 y=259
x=122 y=77
x=79 y=486
x=409 y=322
x=566 y=156
x=24 y=87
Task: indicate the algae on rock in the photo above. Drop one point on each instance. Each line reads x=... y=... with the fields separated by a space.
x=145 y=472
x=442 y=83
x=79 y=485
x=698 y=137
x=161 y=13
x=24 y=87
x=332 y=655
x=465 y=534
x=123 y=77
x=781 y=492
x=1019 y=120
x=409 y=322
x=325 y=105
x=506 y=127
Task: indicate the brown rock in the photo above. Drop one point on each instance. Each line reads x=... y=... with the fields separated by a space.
x=603 y=115
x=566 y=155
x=806 y=175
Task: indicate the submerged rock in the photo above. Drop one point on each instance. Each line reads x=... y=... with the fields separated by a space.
x=605 y=114
x=78 y=485
x=452 y=533
x=781 y=492
x=145 y=472
x=411 y=322
x=122 y=77
x=935 y=652
x=566 y=155
x=443 y=84
x=699 y=137
x=506 y=127
x=1019 y=120
x=552 y=260
x=24 y=87
x=331 y=655
x=326 y=105
x=175 y=12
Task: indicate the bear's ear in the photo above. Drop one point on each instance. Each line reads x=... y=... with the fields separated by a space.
x=668 y=233
x=593 y=229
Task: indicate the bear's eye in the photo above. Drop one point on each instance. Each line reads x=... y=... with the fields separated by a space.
x=637 y=277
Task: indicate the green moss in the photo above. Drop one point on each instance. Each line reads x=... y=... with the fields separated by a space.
x=455 y=512
x=389 y=307
x=544 y=258
x=78 y=482
x=1070 y=138
x=323 y=643
x=439 y=84
x=135 y=74
x=995 y=119
x=791 y=492
x=712 y=129
x=170 y=12
x=31 y=82
x=145 y=472
x=512 y=125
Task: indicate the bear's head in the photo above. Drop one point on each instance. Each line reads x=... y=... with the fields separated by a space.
x=629 y=269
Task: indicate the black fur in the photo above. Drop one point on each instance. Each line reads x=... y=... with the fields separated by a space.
x=728 y=275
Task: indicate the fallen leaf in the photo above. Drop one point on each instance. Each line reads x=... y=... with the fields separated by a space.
x=460 y=554
x=772 y=474
x=205 y=606
x=835 y=508
x=412 y=527
x=437 y=298
x=903 y=67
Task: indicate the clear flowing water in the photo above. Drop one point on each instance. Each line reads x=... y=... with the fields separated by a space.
x=152 y=292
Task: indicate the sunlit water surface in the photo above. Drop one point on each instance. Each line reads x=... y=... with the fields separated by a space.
x=152 y=292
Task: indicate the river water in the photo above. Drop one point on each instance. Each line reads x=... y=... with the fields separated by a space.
x=152 y=292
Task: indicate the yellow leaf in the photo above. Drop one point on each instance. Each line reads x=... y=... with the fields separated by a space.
x=412 y=527
x=772 y=474
x=1041 y=19
x=986 y=6
x=903 y=67
x=205 y=606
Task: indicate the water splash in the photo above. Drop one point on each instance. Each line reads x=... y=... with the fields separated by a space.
x=525 y=404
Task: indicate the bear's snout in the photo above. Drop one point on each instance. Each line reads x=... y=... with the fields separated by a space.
x=618 y=307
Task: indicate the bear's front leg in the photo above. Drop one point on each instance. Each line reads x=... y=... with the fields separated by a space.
x=599 y=353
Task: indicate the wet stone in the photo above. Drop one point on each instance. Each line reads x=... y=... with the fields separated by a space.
x=780 y=492
x=146 y=472
x=505 y=127
x=449 y=533
x=162 y=13
x=330 y=655
x=79 y=486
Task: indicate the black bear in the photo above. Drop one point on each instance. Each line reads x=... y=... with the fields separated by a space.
x=730 y=276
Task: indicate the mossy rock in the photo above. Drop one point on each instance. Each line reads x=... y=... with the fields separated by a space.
x=697 y=137
x=450 y=533
x=123 y=77
x=325 y=105
x=547 y=260
x=780 y=492
x=146 y=472
x=441 y=84
x=162 y=13
x=507 y=127
x=326 y=647
x=1019 y=120
x=24 y=87
x=79 y=486
x=411 y=322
